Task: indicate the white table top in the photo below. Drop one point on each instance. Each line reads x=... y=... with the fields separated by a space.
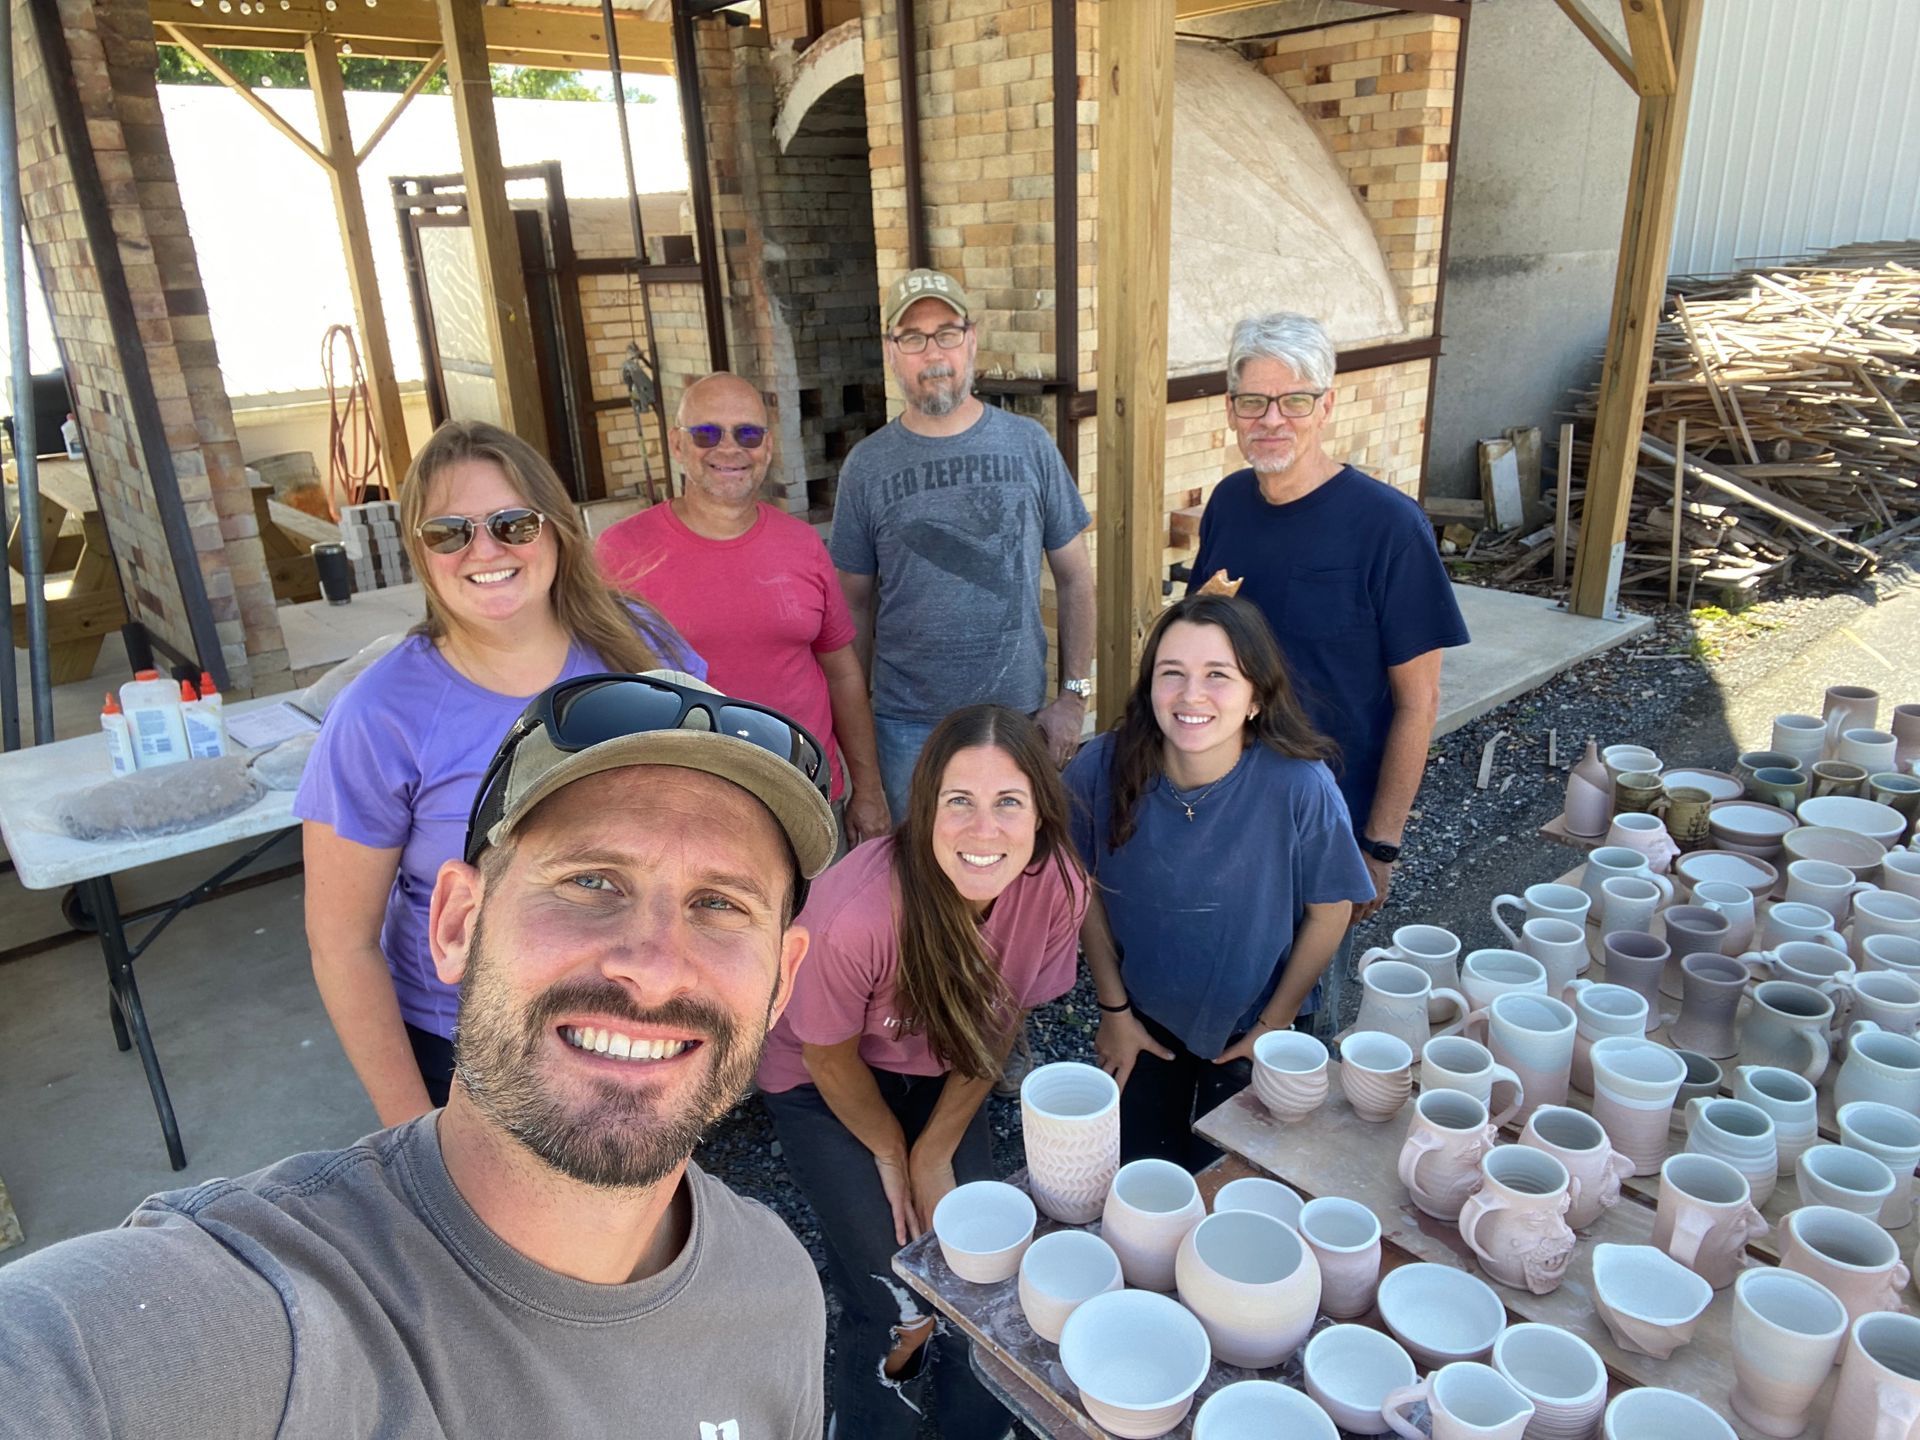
x=34 y=779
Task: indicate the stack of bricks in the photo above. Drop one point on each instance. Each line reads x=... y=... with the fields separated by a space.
x=371 y=534
x=113 y=57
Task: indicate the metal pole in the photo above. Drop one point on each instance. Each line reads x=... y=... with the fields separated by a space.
x=686 y=73
x=639 y=249
x=25 y=446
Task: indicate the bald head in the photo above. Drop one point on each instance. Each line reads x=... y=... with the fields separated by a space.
x=725 y=472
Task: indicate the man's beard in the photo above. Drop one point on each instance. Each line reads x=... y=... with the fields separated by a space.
x=615 y=1136
x=1270 y=463
x=937 y=396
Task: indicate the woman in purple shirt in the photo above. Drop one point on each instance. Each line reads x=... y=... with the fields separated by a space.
x=514 y=603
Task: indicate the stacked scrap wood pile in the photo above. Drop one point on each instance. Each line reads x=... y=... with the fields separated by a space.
x=1796 y=392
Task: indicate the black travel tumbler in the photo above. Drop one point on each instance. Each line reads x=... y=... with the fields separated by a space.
x=336 y=576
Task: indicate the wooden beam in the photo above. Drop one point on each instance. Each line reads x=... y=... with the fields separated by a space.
x=1135 y=81
x=1652 y=51
x=356 y=244
x=561 y=38
x=1602 y=39
x=496 y=243
x=414 y=87
x=245 y=91
x=1639 y=287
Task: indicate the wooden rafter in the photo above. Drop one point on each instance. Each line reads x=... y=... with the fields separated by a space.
x=245 y=91
x=1652 y=50
x=557 y=38
x=414 y=86
x=1602 y=39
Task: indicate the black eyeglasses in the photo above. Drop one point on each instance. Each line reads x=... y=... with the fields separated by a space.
x=450 y=534
x=1295 y=404
x=592 y=709
x=747 y=437
x=947 y=337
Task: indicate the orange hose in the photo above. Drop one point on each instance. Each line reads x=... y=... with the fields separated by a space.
x=353 y=444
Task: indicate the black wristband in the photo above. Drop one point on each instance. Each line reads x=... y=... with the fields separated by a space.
x=1123 y=1006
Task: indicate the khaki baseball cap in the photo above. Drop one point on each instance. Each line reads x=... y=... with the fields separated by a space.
x=537 y=769
x=925 y=285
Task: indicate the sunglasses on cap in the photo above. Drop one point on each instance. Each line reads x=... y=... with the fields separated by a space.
x=593 y=709
x=747 y=437
x=450 y=534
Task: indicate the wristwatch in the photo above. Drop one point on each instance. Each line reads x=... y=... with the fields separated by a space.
x=1082 y=688
x=1379 y=849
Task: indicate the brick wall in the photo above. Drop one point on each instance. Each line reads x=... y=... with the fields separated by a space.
x=113 y=56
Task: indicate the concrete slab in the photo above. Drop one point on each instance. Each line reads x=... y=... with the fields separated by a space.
x=1519 y=642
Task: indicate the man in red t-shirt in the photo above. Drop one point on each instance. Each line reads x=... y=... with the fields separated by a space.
x=752 y=590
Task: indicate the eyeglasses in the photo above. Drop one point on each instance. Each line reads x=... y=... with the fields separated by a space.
x=450 y=534
x=947 y=337
x=747 y=437
x=1295 y=404
x=592 y=709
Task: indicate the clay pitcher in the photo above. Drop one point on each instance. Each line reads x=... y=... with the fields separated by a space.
x=1594 y=1168
x=1440 y=1160
x=1395 y=997
x=1516 y=1222
x=1590 y=793
x=1713 y=985
x=1787 y=1028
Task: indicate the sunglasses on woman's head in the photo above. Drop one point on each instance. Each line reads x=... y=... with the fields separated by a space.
x=450 y=534
x=747 y=437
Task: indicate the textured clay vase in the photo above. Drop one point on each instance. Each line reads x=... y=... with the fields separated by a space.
x=1344 y=1236
x=1792 y=1102
x=1847 y=1253
x=1787 y=1331
x=1594 y=1168
x=1649 y=1301
x=1515 y=1223
x=1590 y=793
x=1070 y=1117
x=1713 y=986
x=1705 y=1217
x=1149 y=1210
x=1290 y=1074
x=1440 y=1159
x=1740 y=1134
x=1253 y=1283
x=1634 y=1085
x=1879 y=1391
x=1376 y=1074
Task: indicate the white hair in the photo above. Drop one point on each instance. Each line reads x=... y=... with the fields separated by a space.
x=1299 y=342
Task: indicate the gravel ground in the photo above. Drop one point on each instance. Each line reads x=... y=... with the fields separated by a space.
x=1672 y=687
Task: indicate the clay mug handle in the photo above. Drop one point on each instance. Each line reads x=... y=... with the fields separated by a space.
x=1756 y=1226
x=1612 y=1176
x=1458 y=1001
x=1378 y=952
x=1505 y=929
x=1473 y=1025
x=1859 y=1028
x=1831 y=938
x=1419 y=1145
x=1897 y=1279
x=1692 y=1112
x=1470 y=1214
x=1819 y=1053
x=1690 y=1230
x=1897 y=1413
x=1759 y=964
x=1664 y=885
x=1405 y=1398
x=1502 y=1075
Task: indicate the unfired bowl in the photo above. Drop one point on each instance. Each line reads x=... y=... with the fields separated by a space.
x=1649 y=1301
x=984 y=1228
x=1441 y=1314
x=1136 y=1358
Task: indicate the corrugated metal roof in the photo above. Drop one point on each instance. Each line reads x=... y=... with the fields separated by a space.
x=1804 y=132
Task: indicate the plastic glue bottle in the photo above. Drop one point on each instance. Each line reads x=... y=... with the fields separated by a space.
x=119 y=737
x=206 y=732
x=153 y=716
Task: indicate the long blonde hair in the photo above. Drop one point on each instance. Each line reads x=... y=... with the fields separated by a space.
x=950 y=987
x=589 y=609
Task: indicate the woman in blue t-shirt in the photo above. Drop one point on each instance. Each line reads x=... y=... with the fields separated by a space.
x=1224 y=869
x=514 y=603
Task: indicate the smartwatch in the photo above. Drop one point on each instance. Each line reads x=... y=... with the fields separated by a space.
x=1379 y=849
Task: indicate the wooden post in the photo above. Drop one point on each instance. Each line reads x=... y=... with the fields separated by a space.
x=1562 y=506
x=496 y=245
x=1639 y=286
x=356 y=242
x=1679 y=506
x=1135 y=237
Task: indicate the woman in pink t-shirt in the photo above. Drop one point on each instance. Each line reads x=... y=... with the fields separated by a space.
x=928 y=947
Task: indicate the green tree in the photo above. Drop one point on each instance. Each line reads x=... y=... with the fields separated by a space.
x=285 y=70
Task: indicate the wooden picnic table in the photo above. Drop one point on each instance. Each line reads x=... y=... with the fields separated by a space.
x=82 y=590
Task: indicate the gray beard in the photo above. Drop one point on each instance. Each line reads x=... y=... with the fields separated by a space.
x=940 y=396
x=616 y=1138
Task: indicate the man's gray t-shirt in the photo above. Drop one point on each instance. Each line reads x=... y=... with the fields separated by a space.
x=955 y=528
x=355 y=1293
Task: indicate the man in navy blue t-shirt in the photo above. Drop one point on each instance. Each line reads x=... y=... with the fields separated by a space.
x=1346 y=571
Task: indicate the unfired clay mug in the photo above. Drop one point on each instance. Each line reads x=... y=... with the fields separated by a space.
x=1740 y=1134
x=1533 y=1035
x=1647 y=834
x=1548 y=900
x=1453 y=1062
x=1376 y=1073
x=1440 y=1160
x=1879 y=1066
x=1561 y=948
x=1713 y=986
x=1594 y=1168
x=1344 y=1236
x=1790 y=1099
x=1433 y=949
x=1734 y=901
x=1397 y=997
x=1892 y=1137
x=1787 y=1330
x=1788 y=1026
x=1879 y=1392
x=1628 y=902
x=1639 y=962
x=1635 y=1081
x=1599 y=1011
x=1516 y=1221
x=1705 y=1217
x=1150 y=1207
x=1847 y=1253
